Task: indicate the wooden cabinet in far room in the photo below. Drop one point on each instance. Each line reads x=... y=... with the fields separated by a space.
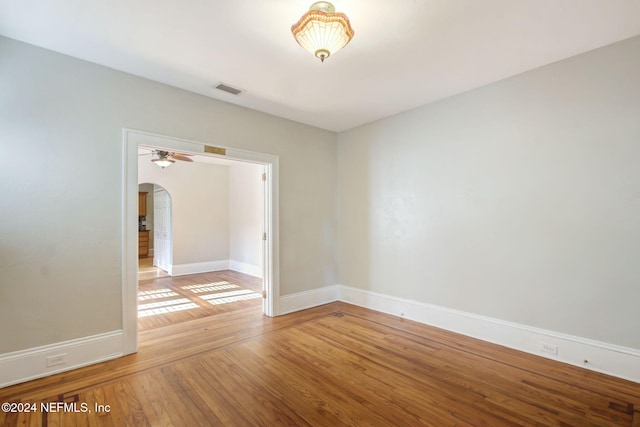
x=142 y=203
x=143 y=244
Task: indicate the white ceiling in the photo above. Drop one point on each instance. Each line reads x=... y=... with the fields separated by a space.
x=405 y=53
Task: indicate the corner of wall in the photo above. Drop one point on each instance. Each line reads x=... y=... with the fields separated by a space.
x=307 y=299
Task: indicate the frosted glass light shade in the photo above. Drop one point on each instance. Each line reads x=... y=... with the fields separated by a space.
x=321 y=31
x=163 y=162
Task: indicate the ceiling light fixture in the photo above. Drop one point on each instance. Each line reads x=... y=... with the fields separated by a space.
x=322 y=31
x=163 y=159
x=163 y=163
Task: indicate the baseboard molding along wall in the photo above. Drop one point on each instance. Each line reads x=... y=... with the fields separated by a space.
x=307 y=299
x=199 y=267
x=610 y=359
x=243 y=267
x=618 y=361
x=25 y=365
x=208 y=266
x=602 y=357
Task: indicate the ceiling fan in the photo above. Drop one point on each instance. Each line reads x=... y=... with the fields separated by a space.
x=167 y=158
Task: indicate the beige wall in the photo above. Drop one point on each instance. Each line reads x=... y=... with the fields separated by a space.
x=199 y=208
x=246 y=207
x=519 y=200
x=217 y=211
x=61 y=240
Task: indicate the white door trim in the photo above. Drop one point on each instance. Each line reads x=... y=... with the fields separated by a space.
x=130 y=140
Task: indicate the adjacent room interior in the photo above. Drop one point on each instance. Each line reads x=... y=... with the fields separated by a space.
x=207 y=213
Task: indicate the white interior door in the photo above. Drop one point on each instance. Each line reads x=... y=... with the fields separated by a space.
x=162 y=254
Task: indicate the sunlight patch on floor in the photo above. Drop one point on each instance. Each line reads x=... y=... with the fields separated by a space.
x=232 y=296
x=156 y=294
x=163 y=307
x=170 y=309
x=210 y=287
x=172 y=301
x=163 y=303
x=227 y=300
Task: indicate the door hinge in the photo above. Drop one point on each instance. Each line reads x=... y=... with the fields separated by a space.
x=264 y=236
x=264 y=176
x=264 y=294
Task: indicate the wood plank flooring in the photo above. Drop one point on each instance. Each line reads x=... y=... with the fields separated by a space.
x=334 y=365
x=167 y=300
x=147 y=271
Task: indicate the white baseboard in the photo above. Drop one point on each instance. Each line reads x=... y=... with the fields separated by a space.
x=307 y=299
x=243 y=267
x=618 y=361
x=26 y=365
x=199 y=267
x=602 y=357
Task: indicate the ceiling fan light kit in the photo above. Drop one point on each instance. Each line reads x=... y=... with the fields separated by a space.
x=322 y=31
x=163 y=162
x=166 y=158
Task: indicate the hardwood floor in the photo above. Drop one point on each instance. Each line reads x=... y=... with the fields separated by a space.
x=147 y=271
x=168 y=300
x=334 y=365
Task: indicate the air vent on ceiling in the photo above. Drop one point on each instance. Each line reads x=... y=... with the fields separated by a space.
x=230 y=89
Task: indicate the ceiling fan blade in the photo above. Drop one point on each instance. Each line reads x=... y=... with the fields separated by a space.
x=182 y=157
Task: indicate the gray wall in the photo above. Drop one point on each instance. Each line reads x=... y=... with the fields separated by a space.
x=61 y=120
x=519 y=200
x=199 y=208
x=246 y=216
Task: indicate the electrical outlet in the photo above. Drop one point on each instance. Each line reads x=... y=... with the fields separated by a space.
x=58 y=359
x=548 y=348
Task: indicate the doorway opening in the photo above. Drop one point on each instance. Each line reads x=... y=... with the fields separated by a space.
x=210 y=243
x=154 y=232
x=132 y=141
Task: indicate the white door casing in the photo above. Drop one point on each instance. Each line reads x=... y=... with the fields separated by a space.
x=131 y=140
